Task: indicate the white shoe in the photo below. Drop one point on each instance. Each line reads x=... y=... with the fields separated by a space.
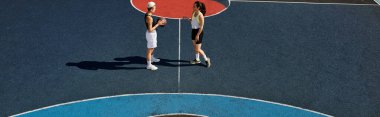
x=208 y=62
x=155 y=60
x=151 y=67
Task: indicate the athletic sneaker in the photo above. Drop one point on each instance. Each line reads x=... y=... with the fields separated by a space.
x=208 y=63
x=155 y=60
x=195 y=61
x=151 y=67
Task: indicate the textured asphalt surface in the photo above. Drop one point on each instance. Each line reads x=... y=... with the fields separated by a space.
x=319 y=57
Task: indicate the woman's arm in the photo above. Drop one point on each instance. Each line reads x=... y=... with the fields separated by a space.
x=150 y=23
x=186 y=18
x=201 y=23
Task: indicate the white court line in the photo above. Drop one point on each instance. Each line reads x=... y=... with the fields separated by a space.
x=377 y=1
x=313 y=3
x=229 y=4
x=179 y=56
x=228 y=96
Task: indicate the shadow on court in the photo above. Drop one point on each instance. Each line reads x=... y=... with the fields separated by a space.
x=122 y=63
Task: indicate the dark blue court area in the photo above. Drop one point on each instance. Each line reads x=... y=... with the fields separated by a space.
x=319 y=57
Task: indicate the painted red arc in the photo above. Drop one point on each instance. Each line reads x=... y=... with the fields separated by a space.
x=176 y=9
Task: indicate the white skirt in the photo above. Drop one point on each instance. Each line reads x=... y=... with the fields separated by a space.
x=151 y=38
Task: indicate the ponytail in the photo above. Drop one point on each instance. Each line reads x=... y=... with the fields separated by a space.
x=203 y=8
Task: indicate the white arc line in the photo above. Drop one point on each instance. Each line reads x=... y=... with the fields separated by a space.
x=377 y=1
x=229 y=3
x=123 y=95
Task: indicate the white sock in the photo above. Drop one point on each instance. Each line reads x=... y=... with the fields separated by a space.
x=149 y=63
x=205 y=57
x=197 y=56
x=153 y=57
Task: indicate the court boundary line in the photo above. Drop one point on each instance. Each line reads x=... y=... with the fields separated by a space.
x=179 y=56
x=311 y=3
x=201 y=94
x=378 y=2
x=178 y=114
x=229 y=4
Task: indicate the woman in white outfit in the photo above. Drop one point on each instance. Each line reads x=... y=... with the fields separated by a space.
x=151 y=36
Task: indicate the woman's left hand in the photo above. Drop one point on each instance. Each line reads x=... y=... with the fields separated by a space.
x=197 y=38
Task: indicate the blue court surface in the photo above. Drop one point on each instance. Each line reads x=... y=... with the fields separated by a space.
x=273 y=59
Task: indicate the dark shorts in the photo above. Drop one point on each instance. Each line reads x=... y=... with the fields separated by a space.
x=194 y=33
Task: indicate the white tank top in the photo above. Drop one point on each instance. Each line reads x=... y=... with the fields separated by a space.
x=195 y=21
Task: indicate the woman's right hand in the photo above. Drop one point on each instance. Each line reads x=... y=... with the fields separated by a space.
x=160 y=22
x=186 y=18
